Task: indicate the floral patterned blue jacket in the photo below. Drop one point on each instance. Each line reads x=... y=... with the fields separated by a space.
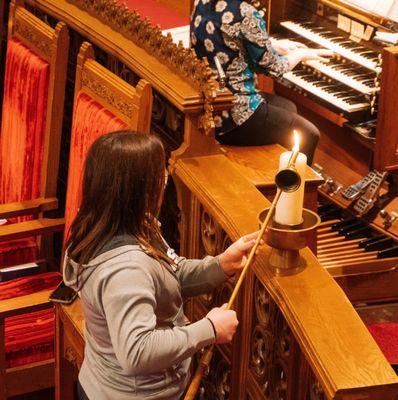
x=235 y=32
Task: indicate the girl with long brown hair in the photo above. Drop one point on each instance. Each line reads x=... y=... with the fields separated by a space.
x=132 y=285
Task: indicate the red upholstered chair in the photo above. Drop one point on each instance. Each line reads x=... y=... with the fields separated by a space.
x=30 y=136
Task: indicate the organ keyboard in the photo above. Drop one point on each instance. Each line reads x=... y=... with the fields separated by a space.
x=348 y=74
x=331 y=91
x=348 y=83
x=333 y=41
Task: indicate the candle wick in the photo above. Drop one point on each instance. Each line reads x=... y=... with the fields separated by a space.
x=293 y=158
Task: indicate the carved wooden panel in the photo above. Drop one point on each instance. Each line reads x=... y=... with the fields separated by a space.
x=315 y=389
x=92 y=83
x=275 y=362
x=262 y=341
x=170 y=216
x=214 y=241
x=211 y=234
x=217 y=383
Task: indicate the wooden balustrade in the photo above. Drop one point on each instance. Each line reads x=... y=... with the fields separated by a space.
x=297 y=333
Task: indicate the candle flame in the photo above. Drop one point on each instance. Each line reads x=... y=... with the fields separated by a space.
x=296 y=146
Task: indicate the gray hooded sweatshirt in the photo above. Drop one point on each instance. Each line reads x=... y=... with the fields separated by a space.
x=138 y=341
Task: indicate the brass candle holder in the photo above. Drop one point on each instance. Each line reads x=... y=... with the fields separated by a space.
x=287 y=241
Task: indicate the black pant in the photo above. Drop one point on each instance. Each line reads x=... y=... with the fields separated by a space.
x=80 y=392
x=274 y=122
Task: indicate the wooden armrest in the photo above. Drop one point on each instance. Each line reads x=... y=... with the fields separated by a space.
x=28 y=207
x=25 y=304
x=31 y=228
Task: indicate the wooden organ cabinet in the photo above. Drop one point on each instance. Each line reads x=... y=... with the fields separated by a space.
x=299 y=337
x=353 y=100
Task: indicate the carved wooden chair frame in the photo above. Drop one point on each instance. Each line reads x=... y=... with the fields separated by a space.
x=133 y=105
x=52 y=45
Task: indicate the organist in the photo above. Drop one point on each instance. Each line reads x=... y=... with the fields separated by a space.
x=235 y=32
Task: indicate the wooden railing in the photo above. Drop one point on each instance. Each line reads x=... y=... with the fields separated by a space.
x=299 y=336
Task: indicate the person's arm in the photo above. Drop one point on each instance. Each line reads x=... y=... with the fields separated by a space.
x=129 y=303
x=262 y=55
x=200 y=276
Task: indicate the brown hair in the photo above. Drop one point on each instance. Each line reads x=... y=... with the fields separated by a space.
x=122 y=191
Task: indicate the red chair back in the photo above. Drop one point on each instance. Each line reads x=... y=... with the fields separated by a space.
x=23 y=123
x=91 y=120
x=103 y=103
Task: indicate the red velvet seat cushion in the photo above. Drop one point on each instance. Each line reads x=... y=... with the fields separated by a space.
x=29 y=337
x=20 y=251
x=158 y=13
x=22 y=137
x=386 y=336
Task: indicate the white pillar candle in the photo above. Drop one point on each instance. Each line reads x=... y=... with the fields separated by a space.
x=289 y=210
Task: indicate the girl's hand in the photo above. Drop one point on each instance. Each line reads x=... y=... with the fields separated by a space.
x=231 y=259
x=224 y=322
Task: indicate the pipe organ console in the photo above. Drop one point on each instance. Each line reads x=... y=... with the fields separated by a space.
x=350 y=83
x=352 y=100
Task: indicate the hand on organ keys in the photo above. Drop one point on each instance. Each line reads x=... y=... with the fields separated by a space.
x=284 y=46
x=304 y=54
x=316 y=54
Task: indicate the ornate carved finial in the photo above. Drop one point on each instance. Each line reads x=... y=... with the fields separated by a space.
x=141 y=32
